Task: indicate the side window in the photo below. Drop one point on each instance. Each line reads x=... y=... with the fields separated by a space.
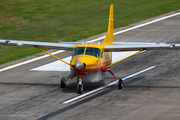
x=102 y=55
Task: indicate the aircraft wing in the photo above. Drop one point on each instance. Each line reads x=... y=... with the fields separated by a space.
x=133 y=43
x=62 y=46
x=140 y=46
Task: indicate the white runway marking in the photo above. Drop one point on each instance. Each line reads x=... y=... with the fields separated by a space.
x=147 y=23
x=29 y=61
x=60 y=66
x=107 y=85
x=97 y=39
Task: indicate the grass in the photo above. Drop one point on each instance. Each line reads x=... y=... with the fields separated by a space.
x=68 y=20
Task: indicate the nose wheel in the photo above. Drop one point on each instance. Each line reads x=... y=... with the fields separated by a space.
x=80 y=86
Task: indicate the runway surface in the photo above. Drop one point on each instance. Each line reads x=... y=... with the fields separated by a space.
x=151 y=95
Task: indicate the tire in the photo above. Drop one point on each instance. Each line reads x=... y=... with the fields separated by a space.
x=63 y=85
x=79 y=88
x=120 y=84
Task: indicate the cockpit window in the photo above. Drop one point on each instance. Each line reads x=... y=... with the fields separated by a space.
x=89 y=51
x=78 y=51
x=93 y=51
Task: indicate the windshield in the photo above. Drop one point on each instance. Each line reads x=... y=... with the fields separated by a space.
x=93 y=51
x=78 y=51
x=89 y=51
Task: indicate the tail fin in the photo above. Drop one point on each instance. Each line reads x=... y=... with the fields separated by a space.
x=109 y=37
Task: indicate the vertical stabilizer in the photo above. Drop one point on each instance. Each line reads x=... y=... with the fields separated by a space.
x=109 y=37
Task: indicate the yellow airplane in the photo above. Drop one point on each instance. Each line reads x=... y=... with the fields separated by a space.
x=90 y=61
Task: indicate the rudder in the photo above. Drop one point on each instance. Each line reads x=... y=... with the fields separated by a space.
x=109 y=37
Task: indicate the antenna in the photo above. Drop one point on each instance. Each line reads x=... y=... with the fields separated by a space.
x=82 y=42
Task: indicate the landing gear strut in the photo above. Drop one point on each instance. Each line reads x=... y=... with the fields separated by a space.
x=80 y=86
x=63 y=82
x=119 y=82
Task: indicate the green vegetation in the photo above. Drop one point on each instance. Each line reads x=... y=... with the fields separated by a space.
x=68 y=20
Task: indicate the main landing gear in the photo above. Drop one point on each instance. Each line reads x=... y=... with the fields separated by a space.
x=119 y=81
x=120 y=84
x=63 y=82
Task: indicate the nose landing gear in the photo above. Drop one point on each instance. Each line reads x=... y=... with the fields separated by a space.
x=80 y=86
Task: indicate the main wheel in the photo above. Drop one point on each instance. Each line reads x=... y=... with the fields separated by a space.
x=63 y=85
x=79 y=88
x=120 y=84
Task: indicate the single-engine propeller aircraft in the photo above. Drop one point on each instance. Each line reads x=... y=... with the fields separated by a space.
x=90 y=61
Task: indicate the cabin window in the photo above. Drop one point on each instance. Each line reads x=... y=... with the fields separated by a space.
x=102 y=55
x=89 y=51
x=93 y=51
x=78 y=51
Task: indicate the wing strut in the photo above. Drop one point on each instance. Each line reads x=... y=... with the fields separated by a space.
x=124 y=59
x=52 y=55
